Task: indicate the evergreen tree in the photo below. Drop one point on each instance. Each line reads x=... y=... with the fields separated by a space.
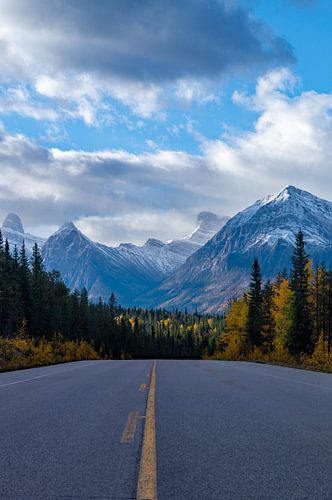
x=300 y=335
x=3 y=284
x=40 y=300
x=25 y=286
x=7 y=251
x=329 y=308
x=84 y=316
x=255 y=313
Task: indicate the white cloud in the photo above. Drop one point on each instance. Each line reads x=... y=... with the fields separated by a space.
x=166 y=225
x=18 y=99
x=155 y=194
x=290 y=140
x=119 y=196
x=146 y=55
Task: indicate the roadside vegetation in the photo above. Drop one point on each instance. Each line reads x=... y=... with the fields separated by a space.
x=25 y=352
x=287 y=321
x=41 y=322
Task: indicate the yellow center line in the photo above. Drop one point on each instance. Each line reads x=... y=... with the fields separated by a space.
x=147 y=479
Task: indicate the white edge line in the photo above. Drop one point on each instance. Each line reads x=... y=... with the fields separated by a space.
x=45 y=375
x=317 y=386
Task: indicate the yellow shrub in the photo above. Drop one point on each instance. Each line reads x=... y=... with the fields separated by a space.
x=321 y=357
x=255 y=355
x=27 y=352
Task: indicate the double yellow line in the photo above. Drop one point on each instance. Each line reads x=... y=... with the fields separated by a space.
x=147 y=479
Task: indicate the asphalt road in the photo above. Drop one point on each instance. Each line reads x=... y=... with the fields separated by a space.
x=223 y=430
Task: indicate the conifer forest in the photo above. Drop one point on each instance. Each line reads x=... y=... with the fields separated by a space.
x=288 y=320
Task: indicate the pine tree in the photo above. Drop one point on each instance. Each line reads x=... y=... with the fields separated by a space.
x=255 y=313
x=112 y=306
x=329 y=308
x=300 y=335
x=84 y=320
x=25 y=285
x=40 y=300
x=3 y=285
x=7 y=250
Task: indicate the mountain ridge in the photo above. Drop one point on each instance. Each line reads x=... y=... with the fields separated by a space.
x=127 y=270
x=202 y=270
x=266 y=230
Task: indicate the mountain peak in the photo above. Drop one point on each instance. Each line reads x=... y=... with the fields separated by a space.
x=69 y=224
x=290 y=190
x=13 y=222
x=67 y=227
x=152 y=242
x=208 y=224
x=210 y=220
x=266 y=230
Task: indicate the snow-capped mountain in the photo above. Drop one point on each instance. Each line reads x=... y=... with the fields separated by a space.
x=202 y=270
x=175 y=252
x=12 y=230
x=127 y=270
x=220 y=269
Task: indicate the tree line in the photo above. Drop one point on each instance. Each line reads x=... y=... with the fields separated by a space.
x=290 y=317
x=287 y=319
x=37 y=304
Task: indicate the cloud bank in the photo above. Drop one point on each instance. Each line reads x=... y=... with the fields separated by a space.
x=74 y=55
x=116 y=196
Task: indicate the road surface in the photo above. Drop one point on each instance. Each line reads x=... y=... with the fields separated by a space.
x=176 y=430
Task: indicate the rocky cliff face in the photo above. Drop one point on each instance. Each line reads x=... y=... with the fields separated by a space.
x=266 y=230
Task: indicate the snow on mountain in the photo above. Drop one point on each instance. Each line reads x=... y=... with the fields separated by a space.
x=220 y=269
x=12 y=230
x=175 y=252
x=13 y=223
x=127 y=270
x=202 y=270
x=208 y=224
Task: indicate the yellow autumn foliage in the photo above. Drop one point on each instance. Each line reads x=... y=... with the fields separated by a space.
x=321 y=358
x=282 y=316
x=235 y=328
x=24 y=352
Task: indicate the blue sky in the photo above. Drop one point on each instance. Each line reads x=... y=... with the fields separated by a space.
x=308 y=29
x=131 y=118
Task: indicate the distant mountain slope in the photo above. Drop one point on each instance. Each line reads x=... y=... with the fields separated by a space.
x=12 y=230
x=220 y=269
x=127 y=270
